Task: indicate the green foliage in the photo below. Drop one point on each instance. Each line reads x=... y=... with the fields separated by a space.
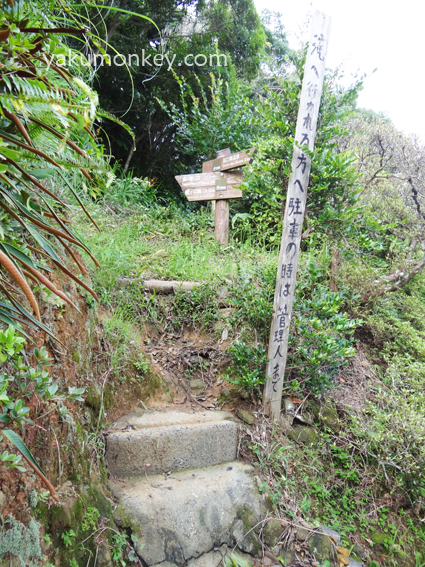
x=321 y=339
x=196 y=308
x=90 y=519
x=251 y=296
x=223 y=118
x=118 y=549
x=45 y=116
x=19 y=383
x=68 y=537
x=248 y=366
x=333 y=181
x=129 y=191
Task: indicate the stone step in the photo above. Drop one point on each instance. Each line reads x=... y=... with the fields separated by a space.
x=152 y=442
x=177 y=518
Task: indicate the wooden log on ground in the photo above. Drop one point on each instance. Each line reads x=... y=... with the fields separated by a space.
x=160 y=286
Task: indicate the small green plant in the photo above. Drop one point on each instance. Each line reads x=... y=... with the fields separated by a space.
x=68 y=537
x=129 y=191
x=235 y=561
x=12 y=461
x=90 y=518
x=142 y=364
x=117 y=551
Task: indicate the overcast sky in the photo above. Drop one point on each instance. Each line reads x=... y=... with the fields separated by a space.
x=369 y=34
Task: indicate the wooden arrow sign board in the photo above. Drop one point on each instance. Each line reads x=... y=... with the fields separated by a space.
x=211 y=186
x=234 y=161
x=215 y=184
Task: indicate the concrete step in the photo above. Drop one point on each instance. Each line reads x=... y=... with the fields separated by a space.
x=152 y=442
x=175 y=519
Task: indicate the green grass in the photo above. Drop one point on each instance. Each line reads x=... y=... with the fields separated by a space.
x=154 y=245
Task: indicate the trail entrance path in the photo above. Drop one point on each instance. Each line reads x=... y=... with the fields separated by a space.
x=181 y=490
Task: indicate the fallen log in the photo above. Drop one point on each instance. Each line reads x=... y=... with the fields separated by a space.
x=168 y=287
x=160 y=286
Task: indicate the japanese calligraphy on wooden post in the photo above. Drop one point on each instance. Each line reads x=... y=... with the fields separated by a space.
x=294 y=212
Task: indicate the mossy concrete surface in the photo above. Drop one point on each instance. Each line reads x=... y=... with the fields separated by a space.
x=171 y=441
x=185 y=515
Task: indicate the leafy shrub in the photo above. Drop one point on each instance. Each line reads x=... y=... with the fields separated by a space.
x=20 y=382
x=321 y=338
x=45 y=120
x=251 y=296
x=392 y=430
x=248 y=366
x=130 y=191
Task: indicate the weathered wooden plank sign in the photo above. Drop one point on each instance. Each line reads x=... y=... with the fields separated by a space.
x=215 y=184
x=233 y=161
x=294 y=212
x=211 y=186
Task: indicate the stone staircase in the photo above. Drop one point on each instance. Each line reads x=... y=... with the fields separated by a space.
x=180 y=490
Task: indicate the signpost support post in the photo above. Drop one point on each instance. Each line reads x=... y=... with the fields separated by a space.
x=295 y=212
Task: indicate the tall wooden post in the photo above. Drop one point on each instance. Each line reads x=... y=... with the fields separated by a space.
x=222 y=212
x=305 y=134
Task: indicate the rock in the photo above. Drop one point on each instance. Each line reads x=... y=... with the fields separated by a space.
x=332 y=533
x=244 y=394
x=321 y=547
x=304 y=434
x=288 y=554
x=272 y=532
x=197 y=386
x=213 y=558
x=354 y=563
x=378 y=538
x=104 y=558
x=67 y=515
x=246 y=540
x=288 y=407
x=226 y=393
x=2 y=499
x=326 y=413
x=94 y=397
x=305 y=418
x=245 y=416
x=302 y=534
x=66 y=488
x=186 y=514
x=358 y=551
x=277 y=550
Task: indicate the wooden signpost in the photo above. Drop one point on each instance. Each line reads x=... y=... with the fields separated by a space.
x=294 y=213
x=218 y=182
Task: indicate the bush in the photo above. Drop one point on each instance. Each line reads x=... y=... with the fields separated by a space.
x=131 y=191
x=321 y=338
x=392 y=430
x=248 y=366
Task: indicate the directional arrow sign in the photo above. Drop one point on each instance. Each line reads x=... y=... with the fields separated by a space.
x=210 y=186
x=234 y=161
